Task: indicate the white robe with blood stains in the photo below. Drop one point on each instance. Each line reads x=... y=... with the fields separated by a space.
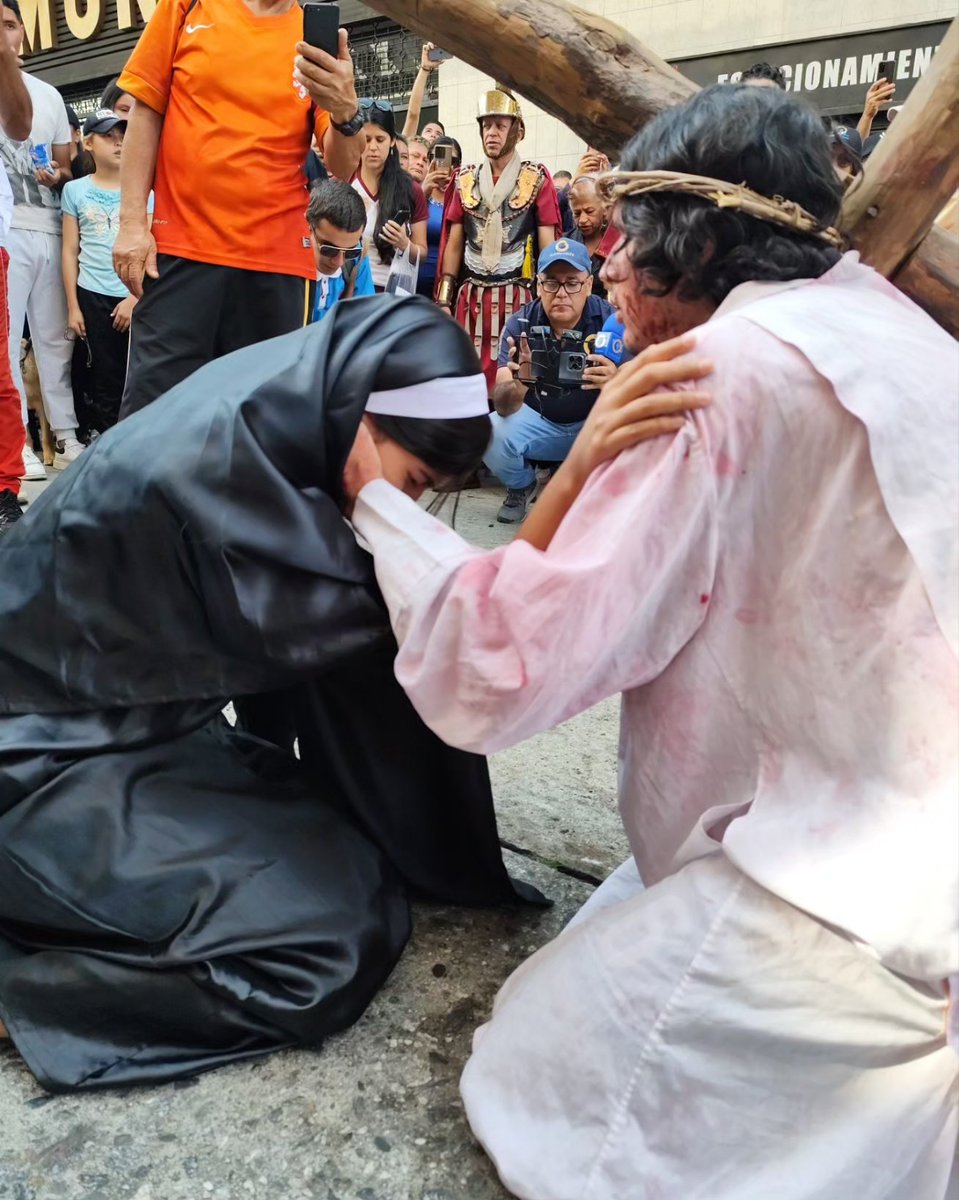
x=775 y=592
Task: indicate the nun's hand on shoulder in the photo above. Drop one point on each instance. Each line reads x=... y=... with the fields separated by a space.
x=362 y=466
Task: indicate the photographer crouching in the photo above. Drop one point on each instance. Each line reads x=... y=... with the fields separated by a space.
x=548 y=379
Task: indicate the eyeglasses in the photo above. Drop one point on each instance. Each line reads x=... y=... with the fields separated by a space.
x=572 y=287
x=351 y=255
x=382 y=105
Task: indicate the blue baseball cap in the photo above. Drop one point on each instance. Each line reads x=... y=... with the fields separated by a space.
x=574 y=254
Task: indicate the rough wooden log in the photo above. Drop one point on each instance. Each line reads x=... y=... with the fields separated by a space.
x=913 y=171
x=604 y=85
x=931 y=278
x=586 y=71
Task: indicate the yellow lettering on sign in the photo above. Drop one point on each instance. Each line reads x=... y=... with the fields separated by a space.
x=39 y=26
x=83 y=25
x=125 y=16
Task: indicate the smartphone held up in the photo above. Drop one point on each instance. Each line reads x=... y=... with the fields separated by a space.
x=321 y=27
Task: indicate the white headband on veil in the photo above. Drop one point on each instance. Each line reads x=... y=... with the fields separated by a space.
x=436 y=399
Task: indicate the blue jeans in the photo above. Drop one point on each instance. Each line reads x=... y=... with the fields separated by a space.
x=523 y=436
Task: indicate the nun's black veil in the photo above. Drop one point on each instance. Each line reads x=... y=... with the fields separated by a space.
x=175 y=894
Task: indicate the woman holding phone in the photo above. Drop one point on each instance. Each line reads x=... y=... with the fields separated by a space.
x=396 y=210
x=445 y=160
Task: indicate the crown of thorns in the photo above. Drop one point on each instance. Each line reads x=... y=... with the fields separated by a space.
x=616 y=185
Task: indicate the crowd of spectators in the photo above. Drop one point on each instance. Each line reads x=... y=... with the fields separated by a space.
x=115 y=311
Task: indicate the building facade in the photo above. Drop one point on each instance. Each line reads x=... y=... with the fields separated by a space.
x=829 y=52
x=80 y=45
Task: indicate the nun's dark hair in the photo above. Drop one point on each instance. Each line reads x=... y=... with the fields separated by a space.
x=772 y=142
x=396 y=187
x=454 y=449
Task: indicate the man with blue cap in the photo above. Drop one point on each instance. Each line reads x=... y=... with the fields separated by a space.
x=548 y=377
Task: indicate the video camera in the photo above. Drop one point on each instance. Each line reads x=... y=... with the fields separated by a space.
x=557 y=363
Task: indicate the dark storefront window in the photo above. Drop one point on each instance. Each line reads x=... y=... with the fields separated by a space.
x=833 y=73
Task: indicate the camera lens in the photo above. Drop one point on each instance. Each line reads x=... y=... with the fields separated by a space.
x=577 y=362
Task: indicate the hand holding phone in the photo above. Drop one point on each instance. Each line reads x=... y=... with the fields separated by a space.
x=323 y=67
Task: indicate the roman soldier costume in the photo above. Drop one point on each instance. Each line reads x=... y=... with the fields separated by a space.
x=501 y=216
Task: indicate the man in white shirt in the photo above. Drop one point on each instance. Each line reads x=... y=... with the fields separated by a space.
x=16 y=114
x=37 y=167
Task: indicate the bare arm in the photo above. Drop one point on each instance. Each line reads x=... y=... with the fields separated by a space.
x=508 y=395
x=332 y=88
x=61 y=156
x=881 y=91
x=416 y=104
x=70 y=260
x=509 y=392
x=412 y=125
x=341 y=154
x=134 y=252
x=418 y=239
x=16 y=107
x=453 y=254
x=547 y=235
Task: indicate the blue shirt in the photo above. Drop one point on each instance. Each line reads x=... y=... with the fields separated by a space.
x=565 y=406
x=329 y=288
x=434 y=231
x=97 y=212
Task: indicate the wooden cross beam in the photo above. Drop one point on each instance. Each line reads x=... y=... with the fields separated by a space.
x=602 y=83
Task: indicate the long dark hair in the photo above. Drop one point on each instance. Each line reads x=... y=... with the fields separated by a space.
x=452 y=448
x=111 y=94
x=772 y=142
x=396 y=187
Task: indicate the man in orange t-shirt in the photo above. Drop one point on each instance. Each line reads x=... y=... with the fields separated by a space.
x=228 y=100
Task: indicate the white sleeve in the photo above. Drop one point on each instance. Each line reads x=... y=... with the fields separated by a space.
x=497 y=646
x=61 y=124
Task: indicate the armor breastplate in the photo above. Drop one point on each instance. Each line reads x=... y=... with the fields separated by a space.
x=519 y=224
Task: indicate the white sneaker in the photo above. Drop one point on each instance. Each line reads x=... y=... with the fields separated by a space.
x=68 y=451
x=33 y=468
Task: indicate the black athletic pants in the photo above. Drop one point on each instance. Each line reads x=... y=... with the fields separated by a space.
x=196 y=312
x=106 y=362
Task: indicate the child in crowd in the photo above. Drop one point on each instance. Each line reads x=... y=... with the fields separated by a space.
x=337 y=217
x=99 y=307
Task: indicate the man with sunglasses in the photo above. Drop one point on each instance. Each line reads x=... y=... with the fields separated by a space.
x=336 y=218
x=538 y=414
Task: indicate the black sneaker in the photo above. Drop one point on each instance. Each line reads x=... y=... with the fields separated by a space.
x=516 y=505
x=10 y=510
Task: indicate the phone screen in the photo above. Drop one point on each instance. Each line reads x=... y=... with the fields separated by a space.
x=402 y=216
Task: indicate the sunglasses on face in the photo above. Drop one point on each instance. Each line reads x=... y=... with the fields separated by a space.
x=572 y=287
x=351 y=255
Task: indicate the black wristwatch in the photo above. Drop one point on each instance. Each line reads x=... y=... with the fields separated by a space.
x=351 y=127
